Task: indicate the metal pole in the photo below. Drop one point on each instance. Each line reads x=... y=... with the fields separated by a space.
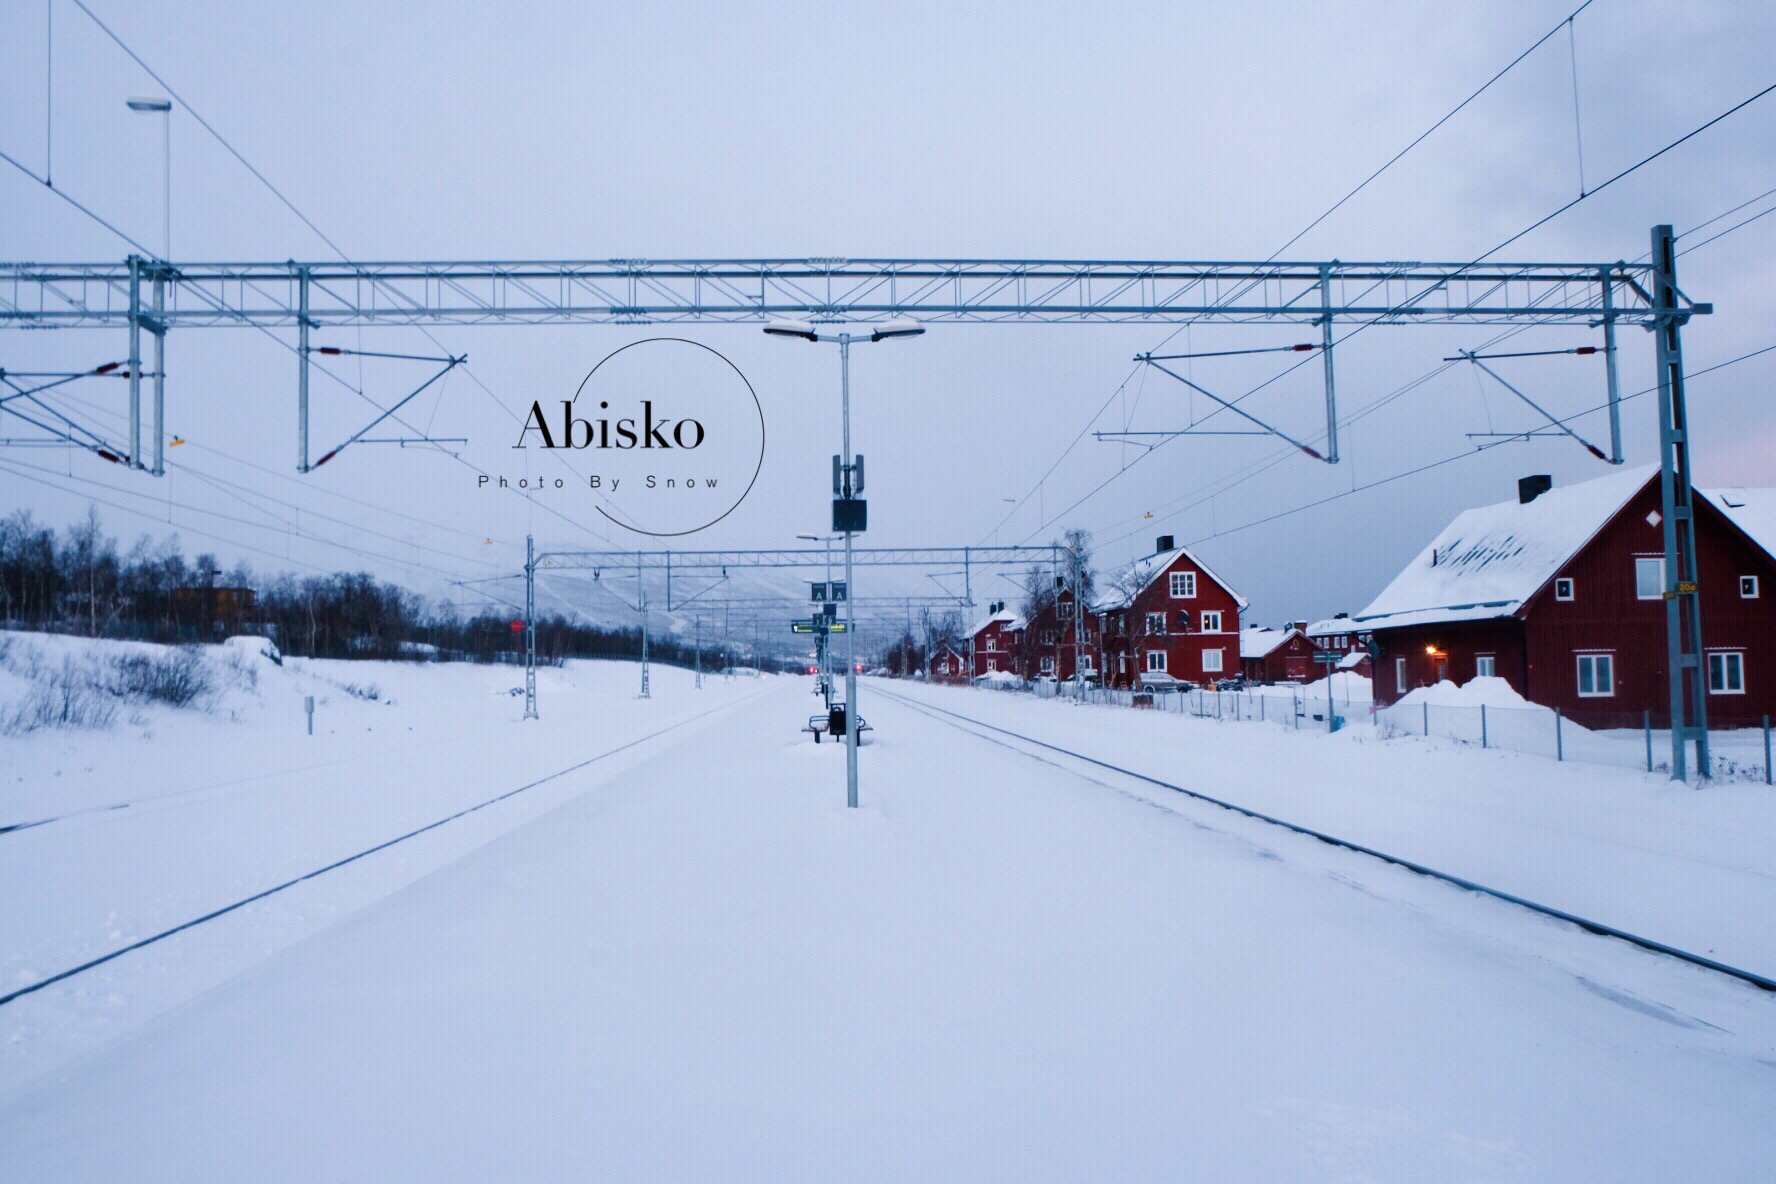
x=1482 y=725
x=850 y=588
x=1326 y=361
x=530 y=646
x=1609 y=370
x=135 y=361
x=1647 y=718
x=302 y=370
x=1683 y=608
x=641 y=599
x=699 y=653
x=1559 y=740
x=160 y=336
x=1769 y=772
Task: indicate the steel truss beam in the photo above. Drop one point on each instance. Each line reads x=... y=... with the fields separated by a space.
x=687 y=562
x=635 y=291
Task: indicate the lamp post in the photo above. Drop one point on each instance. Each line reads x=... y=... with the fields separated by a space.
x=848 y=478
x=163 y=108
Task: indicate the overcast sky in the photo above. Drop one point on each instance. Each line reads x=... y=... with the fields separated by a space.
x=437 y=131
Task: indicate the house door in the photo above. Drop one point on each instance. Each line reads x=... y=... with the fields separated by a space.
x=1295 y=668
x=1442 y=670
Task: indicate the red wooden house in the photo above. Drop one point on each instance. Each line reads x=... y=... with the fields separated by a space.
x=1169 y=613
x=1060 y=642
x=1278 y=655
x=1342 y=636
x=948 y=663
x=996 y=642
x=1561 y=593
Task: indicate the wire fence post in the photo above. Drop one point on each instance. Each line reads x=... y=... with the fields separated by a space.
x=1559 y=741
x=1482 y=725
x=1769 y=774
x=1427 y=713
x=1648 y=716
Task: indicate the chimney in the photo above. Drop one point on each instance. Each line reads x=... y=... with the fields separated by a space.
x=1530 y=488
x=1163 y=543
x=1300 y=625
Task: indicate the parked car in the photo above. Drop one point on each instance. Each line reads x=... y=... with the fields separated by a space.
x=1158 y=681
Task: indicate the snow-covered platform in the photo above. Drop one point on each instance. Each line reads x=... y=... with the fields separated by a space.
x=703 y=967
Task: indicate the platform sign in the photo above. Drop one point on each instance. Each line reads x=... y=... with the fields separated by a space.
x=817 y=592
x=817 y=625
x=1327 y=659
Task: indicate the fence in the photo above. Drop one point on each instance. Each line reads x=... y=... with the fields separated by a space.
x=1290 y=706
x=1740 y=749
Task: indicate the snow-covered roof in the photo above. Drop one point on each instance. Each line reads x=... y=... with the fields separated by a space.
x=1333 y=625
x=1132 y=580
x=1490 y=560
x=1751 y=510
x=1353 y=659
x=1259 y=640
x=1005 y=617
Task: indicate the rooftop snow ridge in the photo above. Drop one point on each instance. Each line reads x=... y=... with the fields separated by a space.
x=1491 y=559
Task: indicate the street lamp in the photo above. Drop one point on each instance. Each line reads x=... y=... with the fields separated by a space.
x=163 y=108
x=848 y=482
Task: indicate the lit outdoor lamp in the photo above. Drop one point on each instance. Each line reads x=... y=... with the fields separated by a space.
x=850 y=512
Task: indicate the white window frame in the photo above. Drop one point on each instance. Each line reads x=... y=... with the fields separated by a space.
x=1161 y=619
x=993 y=664
x=1485 y=665
x=1640 y=566
x=1599 y=662
x=1185 y=580
x=1156 y=662
x=1400 y=675
x=1086 y=665
x=1216 y=666
x=1571 y=588
x=992 y=645
x=1064 y=609
x=1048 y=665
x=1729 y=660
x=1749 y=588
x=1211 y=620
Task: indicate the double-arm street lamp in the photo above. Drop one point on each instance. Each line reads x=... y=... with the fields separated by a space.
x=849 y=515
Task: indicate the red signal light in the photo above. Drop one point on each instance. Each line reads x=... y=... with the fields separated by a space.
x=517 y=626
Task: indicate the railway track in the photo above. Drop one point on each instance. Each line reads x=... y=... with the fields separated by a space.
x=969 y=724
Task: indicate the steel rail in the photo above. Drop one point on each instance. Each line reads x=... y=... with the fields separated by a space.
x=1595 y=927
x=91 y=963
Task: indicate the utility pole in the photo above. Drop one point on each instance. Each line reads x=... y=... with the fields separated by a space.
x=1683 y=602
x=699 y=653
x=641 y=599
x=530 y=639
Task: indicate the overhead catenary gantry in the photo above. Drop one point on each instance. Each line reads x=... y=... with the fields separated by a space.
x=315 y=297
x=647 y=578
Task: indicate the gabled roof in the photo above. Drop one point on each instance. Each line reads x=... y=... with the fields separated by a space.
x=1260 y=640
x=1332 y=625
x=1751 y=510
x=1133 y=580
x=1004 y=617
x=1489 y=561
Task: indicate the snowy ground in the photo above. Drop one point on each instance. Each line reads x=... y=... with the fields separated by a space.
x=163 y=819
x=691 y=962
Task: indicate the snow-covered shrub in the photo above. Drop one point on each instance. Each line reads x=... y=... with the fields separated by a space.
x=367 y=690
x=68 y=696
x=177 y=678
